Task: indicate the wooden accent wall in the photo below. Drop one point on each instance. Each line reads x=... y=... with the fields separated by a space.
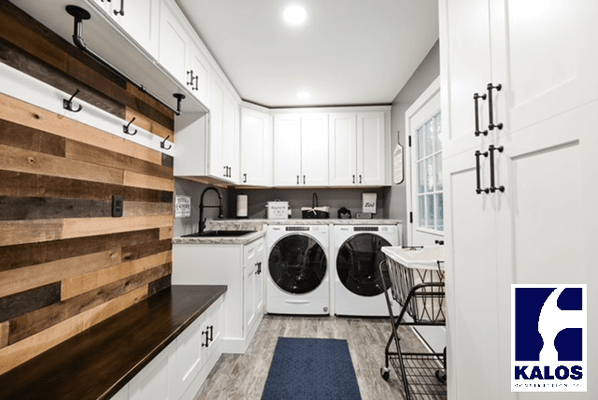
x=65 y=262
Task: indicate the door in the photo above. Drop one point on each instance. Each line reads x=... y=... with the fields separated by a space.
x=255 y=148
x=342 y=149
x=297 y=264
x=314 y=149
x=424 y=168
x=357 y=265
x=371 y=154
x=287 y=150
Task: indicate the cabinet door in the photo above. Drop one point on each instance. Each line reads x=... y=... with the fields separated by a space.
x=371 y=154
x=314 y=149
x=215 y=320
x=465 y=32
x=342 y=149
x=229 y=138
x=216 y=131
x=255 y=148
x=174 y=43
x=152 y=383
x=249 y=315
x=189 y=356
x=260 y=280
x=472 y=293
x=140 y=19
x=287 y=150
x=198 y=68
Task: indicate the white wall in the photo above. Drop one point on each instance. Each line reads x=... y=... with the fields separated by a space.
x=429 y=69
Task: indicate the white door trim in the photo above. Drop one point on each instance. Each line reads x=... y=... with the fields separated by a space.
x=419 y=104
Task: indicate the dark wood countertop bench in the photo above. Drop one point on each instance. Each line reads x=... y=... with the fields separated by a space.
x=97 y=363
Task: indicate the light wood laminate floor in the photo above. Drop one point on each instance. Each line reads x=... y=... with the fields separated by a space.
x=243 y=376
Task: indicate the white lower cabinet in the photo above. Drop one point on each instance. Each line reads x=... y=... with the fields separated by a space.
x=239 y=266
x=178 y=372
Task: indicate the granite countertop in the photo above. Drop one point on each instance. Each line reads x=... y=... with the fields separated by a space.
x=97 y=363
x=245 y=239
x=242 y=224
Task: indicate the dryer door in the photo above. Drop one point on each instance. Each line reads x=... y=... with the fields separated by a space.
x=357 y=264
x=297 y=264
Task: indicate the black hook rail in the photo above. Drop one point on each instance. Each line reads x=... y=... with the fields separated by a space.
x=163 y=144
x=81 y=15
x=68 y=104
x=127 y=128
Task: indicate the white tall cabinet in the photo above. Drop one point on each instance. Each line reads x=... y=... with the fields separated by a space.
x=542 y=227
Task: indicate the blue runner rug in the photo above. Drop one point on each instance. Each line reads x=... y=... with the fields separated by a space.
x=311 y=369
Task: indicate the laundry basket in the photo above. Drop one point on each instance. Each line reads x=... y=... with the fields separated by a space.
x=428 y=303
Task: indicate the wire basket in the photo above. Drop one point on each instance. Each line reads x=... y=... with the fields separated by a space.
x=427 y=303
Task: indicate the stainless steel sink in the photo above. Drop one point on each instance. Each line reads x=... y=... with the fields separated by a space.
x=219 y=234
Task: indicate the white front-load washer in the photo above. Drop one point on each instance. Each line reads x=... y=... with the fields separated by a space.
x=298 y=270
x=357 y=288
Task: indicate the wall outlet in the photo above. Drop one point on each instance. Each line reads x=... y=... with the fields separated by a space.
x=118 y=206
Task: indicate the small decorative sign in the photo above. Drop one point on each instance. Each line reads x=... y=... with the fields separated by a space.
x=182 y=207
x=369 y=203
x=398 y=162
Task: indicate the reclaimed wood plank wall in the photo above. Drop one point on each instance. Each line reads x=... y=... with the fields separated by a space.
x=65 y=263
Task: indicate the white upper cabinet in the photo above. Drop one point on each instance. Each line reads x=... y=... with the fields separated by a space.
x=223 y=133
x=357 y=149
x=301 y=150
x=198 y=75
x=255 y=148
x=175 y=44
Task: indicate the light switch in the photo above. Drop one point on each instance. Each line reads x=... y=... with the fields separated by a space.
x=117 y=206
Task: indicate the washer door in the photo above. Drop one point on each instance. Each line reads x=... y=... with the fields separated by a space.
x=357 y=264
x=297 y=264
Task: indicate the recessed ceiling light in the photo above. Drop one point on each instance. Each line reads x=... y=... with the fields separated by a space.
x=295 y=15
x=303 y=95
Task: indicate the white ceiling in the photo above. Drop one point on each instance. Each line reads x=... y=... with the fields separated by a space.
x=348 y=52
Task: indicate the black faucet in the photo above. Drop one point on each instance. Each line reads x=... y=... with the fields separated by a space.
x=202 y=221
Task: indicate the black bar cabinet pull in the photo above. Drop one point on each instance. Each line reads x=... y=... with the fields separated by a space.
x=478 y=189
x=491 y=124
x=207 y=339
x=211 y=327
x=360 y=181
x=230 y=172
x=196 y=83
x=297 y=179
x=244 y=178
x=190 y=77
x=304 y=179
x=259 y=268
x=477 y=132
x=353 y=178
x=122 y=8
x=491 y=149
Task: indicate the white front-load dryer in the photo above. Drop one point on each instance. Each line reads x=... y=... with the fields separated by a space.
x=357 y=288
x=298 y=270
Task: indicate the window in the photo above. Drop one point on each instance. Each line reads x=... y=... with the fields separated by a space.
x=429 y=175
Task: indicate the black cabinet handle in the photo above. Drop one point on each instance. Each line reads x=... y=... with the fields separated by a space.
x=259 y=268
x=230 y=172
x=211 y=327
x=491 y=149
x=491 y=124
x=207 y=339
x=477 y=132
x=360 y=179
x=224 y=174
x=244 y=178
x=440 y=242
x=190 y=78
x=478 y=189
x=353 y=179
x=297 y=179
x=304 y=179
x=196 y=82
x=122 y=8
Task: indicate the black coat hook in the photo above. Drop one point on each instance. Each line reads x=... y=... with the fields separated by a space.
x=163 y=144
x=126 y=128
x=68 y=104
